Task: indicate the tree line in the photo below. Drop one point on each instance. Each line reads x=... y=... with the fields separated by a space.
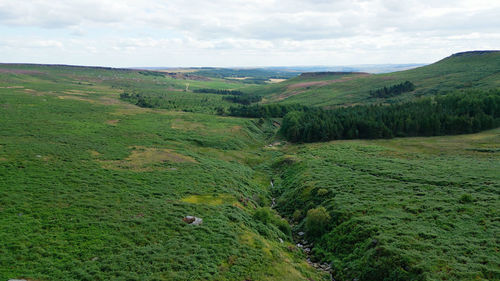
x=233 y=96
x=265 y=110
x=244 y=99
x=218 y=91
x=394 y=90
x=455 y=113
x=152 y=73
x=154 y=101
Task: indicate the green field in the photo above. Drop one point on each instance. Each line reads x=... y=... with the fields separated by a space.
x=94 y=187
x=473 y=70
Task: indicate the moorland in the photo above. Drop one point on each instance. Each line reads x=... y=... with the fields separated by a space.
x=312 y=176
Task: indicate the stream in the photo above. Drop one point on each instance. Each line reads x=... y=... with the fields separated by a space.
x=305 y=246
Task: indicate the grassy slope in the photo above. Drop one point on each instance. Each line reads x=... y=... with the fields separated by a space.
x=172 y=90
x=469 y=70
x=408 y=196
x=92 y=188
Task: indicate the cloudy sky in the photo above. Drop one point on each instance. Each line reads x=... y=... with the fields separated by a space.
x=124 y=33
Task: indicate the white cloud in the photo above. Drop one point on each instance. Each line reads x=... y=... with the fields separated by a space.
x=236 y=32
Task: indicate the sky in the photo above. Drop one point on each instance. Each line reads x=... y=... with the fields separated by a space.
x=180 y=33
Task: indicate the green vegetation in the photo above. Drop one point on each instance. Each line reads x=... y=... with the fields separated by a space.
x=94 y=188
x=394 y=90
x=317 y=221
x=243 y=99
x=177 y=100
x=152 y=73
x=218 y=91
x=401 y=209
x=265 y=110
x=470 y=70
x=458 y=113
x=99 y=168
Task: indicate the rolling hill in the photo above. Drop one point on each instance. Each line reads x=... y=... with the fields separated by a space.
x=468 y=70
x=94 y=186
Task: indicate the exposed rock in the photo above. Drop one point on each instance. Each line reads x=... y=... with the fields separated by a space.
x=301 y=233
x=192 y=220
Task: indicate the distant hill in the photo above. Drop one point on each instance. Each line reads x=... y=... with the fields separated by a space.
x=467 y=70
x=370 y=68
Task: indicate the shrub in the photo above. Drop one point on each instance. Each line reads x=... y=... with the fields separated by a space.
x=263 y=214
x=465 y=198
x=317 y=222
x=283 y=226
x=297 y=215
x=322 y=192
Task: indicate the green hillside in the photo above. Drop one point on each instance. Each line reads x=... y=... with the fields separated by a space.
x=402 y=209
x=95 y=185
x=94 y=188
x=469 y=70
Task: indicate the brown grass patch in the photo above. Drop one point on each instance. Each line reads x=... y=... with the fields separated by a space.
x=325 y=82
x=130 y=110
x=12 y=87
x=309 y=84
x=77 y=92
x=33 y=92
x=19 y=71
x=276 y=80
x=209 y=199
x=111 y=101
x=298 y=88
x=112 y=122
x=76 y=98
x=145 y=158
x=288 y=94
x=237 y=78
x=106 y=100
x=181 y=124
x=236 y=128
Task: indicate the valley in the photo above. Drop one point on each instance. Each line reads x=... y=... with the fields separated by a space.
x=101 y=170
